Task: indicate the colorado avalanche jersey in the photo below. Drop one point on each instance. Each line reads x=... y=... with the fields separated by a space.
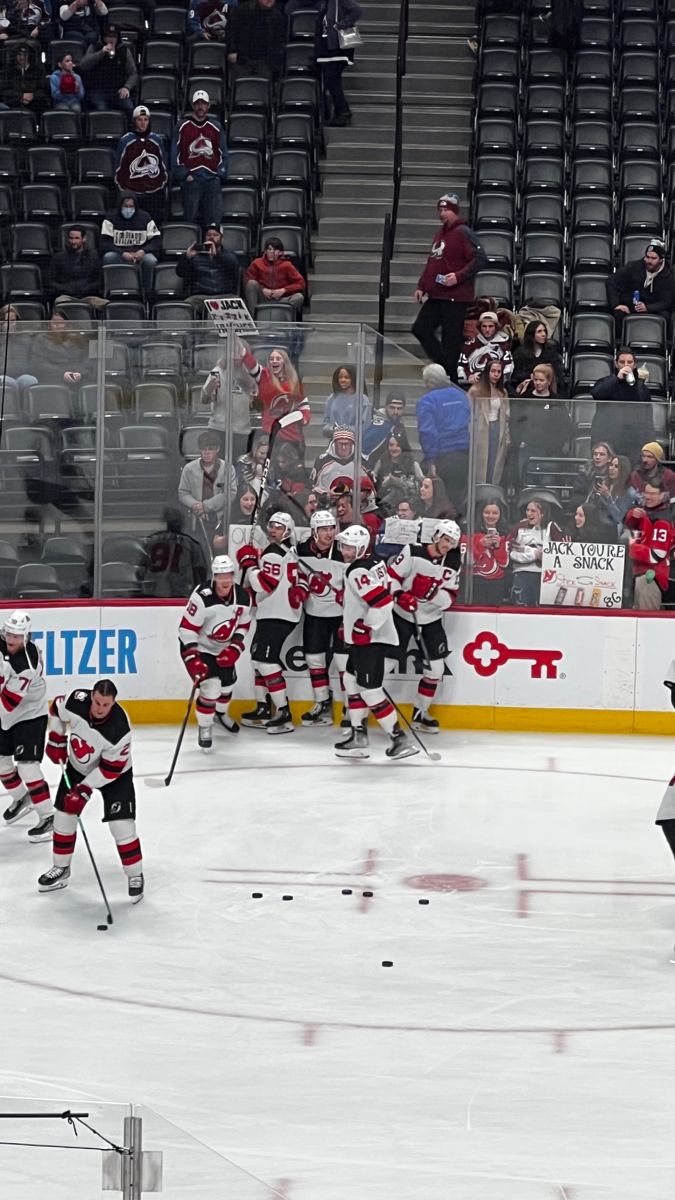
x=23 y=691
x=330 y=566
x=211 y=623
x=272 y=579
x=433 y=581
x=368 y=598
x=99 y=750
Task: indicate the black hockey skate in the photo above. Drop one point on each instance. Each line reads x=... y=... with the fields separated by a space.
x=423 y=723
x=354 y=746
x=320 y=714
x=205 y=738
x=402 y=746
x=136 y=886
x=345 y=723
x=259 y=717
x=227 y=723
x=281 y=722
x=55 y=878
x=17 y=809
x=42 y=832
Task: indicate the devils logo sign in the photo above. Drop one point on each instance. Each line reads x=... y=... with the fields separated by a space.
x=81 y=749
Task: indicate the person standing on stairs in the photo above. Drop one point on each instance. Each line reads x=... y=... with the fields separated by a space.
x=335 y=17
x=445 y=288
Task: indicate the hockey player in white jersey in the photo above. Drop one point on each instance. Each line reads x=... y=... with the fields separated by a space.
x=23 y=727
x=211 y=634
x=321 y=561
x=90 y=737
x=370 y=635
x=280 y=593
x=665 y=817
x=425 y=581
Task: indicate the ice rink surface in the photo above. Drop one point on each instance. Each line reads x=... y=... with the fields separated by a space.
x=522 y=1045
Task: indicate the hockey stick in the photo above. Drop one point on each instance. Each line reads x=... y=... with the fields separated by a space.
x=432 y=754
x=109 y=916
x=421 y=644
x=158 y=783
x=291 y=418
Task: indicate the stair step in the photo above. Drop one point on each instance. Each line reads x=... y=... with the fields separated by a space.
x=345 y=187
x=345 y=308
x=451 y=120
x=358 y=229
x=351 y=210
x=360 y=134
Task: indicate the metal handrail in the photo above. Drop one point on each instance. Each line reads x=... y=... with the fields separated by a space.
x=392 y=217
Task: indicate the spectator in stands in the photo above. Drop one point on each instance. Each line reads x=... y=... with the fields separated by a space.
x=202 y=482
x=615 y=493
x=288 y=468
x=335 y=462
x=207 y=20
x=539 y=428
x=15 y=351
x=651 y=470
x=281 y=392
x=208 y=268
x=175 y=561
x=342 y=496
x=526 y=543
x=398 y=476
x=376 y=435
x=76 y=271
x=650 y=548
x=23 y=81
x=230 y=408
x=66 y=86
x=60 y=355
x=343 y=403
x=490 y=342
x=588 y=527
x=433 y=500
x=644 y=285
x=623 y=414
x=443 y=422
x=243 y=505
x=30 y=19
x=80 y=20
x=536 y=348
x=256 y=39
x=272 y=278
x=199 y=163
x=445 y=287
x=141 y=165
x=129 y=235
x=490 y=422
x=333 y=17
x=111 y=73
x=249 y=466
x=489 y=554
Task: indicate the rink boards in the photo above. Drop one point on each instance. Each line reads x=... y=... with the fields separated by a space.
x=586 y=672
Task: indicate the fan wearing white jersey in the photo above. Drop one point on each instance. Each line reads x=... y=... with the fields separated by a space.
x=370 y=635
x=23 y=726
x=211 y=634
x=96 y=757
x=425 y=581
x=322 y=563
x=280 y=593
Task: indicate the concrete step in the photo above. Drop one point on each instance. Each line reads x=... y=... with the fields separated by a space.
x=370 y=116
x=344 y=308
x=457 y=120
x=442 y=20
x=359 y=230
x=357 y=163
x=360 y=134
x=345 y=263
x=341 y=209
x=345 y=285
x=348 y=187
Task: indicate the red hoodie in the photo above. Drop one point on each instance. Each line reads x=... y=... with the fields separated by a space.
x=453 y=251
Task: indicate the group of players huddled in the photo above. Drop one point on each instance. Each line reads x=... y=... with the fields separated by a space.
x=357 y=610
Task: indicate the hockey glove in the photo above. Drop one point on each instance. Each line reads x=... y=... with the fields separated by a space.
x=297 y=596
x=424 y=587
x=340 y=596
x=228 y=656
x=319 y=583
x=407 y=602
x=75 y=799
x=361 y=634
x=247 y=557
x=195 y=665
x=57 y=749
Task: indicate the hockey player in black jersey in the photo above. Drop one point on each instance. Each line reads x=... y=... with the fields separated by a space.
x=23 y=727
x=425 y=580
x=370 y=635
x=321 y=561
x=91 y=738
x=211 y=633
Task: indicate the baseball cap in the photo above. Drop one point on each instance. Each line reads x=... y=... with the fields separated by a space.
x=451 y=199
x=141 y=111
x=201 y=95
x=213 y=225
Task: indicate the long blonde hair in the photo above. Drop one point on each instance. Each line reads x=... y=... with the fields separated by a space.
x=290 y=374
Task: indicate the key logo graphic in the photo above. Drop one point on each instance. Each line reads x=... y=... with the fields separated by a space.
x=81 y=749
x=486 y=654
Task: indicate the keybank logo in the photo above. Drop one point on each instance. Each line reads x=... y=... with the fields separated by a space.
x=88 y=651
x=486 y=654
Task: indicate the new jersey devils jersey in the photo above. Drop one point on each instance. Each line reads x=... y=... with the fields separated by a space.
x=99 y=750
x=23 y=691
x=368 y=599
x=433 y=581
x=328 y=564
x=272 y=579
x=211 y=623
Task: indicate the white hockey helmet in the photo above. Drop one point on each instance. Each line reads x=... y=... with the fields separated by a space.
x=357 y=537
x=446 y=529
x=17 y=624
x=282 y=518
x=222 y=565
x=322 y=519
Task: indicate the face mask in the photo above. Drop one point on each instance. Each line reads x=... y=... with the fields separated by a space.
x=128 y=213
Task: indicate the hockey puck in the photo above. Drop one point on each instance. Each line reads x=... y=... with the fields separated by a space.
x=286 y=897
x=369 y=894
x=256 y=895
x=346 y=891
x=386 y=963
x=422 y=901
x=102 y=928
